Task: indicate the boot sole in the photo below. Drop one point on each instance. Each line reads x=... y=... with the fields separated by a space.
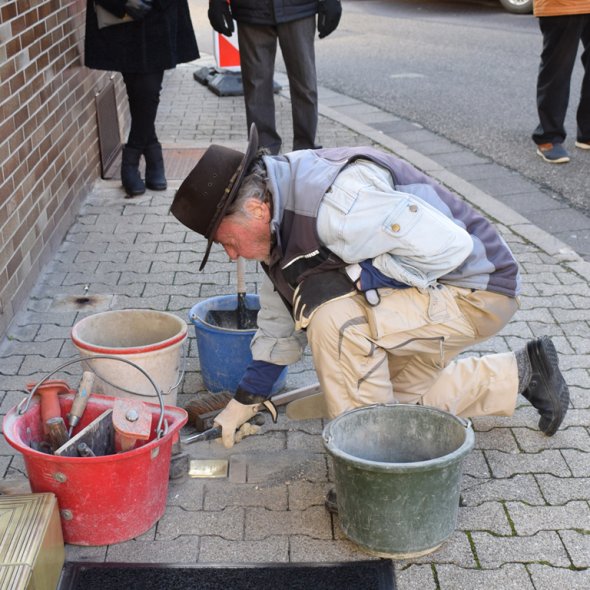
x=131 y=194
x=544 y=356
x=156 y=187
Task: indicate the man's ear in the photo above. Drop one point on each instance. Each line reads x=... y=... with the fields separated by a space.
x=257 y=209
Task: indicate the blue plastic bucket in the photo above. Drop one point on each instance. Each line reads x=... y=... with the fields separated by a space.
x=224 y=352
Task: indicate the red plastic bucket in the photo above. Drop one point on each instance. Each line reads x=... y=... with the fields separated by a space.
x=107 y=499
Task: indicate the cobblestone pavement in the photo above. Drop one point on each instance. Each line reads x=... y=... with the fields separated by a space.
x=524 y=521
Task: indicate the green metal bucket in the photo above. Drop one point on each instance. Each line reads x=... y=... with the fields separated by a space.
x=397 y=470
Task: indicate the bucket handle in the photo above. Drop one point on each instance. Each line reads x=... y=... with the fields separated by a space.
x=466 y=422
x=129 y=391
x=161 y=428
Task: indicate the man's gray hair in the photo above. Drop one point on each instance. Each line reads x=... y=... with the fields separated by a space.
x=254 y=186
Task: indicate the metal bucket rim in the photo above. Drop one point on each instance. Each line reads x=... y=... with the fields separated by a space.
x=393 y=467
x=11 y=418
x=197 y=320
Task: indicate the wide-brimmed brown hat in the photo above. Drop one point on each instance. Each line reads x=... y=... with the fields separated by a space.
x=211 y=187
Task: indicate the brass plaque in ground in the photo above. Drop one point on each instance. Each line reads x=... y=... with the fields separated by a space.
x=178 y=162
x=208 y=468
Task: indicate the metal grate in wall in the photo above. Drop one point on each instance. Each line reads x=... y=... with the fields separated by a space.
x=109 y=135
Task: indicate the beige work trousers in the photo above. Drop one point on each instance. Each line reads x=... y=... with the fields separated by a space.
x=402 y=350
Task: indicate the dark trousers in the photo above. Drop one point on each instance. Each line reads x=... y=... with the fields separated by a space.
x=258 y=47
x=143 y=93
x=561 y=40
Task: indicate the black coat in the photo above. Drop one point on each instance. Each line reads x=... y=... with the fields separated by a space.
x=272 y=12
x=163 y=39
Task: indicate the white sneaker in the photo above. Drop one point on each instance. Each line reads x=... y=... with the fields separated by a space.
x=583 y=145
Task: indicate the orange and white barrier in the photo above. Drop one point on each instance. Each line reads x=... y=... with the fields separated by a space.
x=226 y=51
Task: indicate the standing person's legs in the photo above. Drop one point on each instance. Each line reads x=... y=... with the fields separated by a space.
x=258 y=47
x=561 y=38
x=296 y=39
x=143 y=93
x=583 y=114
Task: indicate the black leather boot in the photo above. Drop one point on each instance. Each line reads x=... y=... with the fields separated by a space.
x=155 y=178
x=130 y=176
x=547 y=390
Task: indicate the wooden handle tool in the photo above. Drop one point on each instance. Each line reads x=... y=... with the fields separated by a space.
x=80 y=400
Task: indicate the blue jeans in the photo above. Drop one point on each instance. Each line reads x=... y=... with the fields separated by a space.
x=561 y=39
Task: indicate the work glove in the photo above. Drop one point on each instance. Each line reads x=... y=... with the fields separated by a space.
x=315 y=291
x=329 y=12
x=367 y=279
x=138 y=9
x=220 y=17
x=236 y=413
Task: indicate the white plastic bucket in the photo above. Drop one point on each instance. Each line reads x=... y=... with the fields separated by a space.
x=151 y=339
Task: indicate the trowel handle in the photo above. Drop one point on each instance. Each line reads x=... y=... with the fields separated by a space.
x=241 y=275
x=80 y=399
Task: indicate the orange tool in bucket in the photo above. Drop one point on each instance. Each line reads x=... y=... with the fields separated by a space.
x=105 y=499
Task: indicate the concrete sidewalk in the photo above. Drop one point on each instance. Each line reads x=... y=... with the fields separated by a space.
x=525 y=518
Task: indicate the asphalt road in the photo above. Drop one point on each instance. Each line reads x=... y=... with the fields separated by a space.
x=464 y=69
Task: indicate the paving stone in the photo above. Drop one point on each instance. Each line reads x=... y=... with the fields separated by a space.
x=476 y=491
x=415 y=576
x=303 y=494
x=475 y=465
x=507 y=577
x=314 y=522
x=456 y=550
x=11 y=365
x=577 y=544
x=489 y=516
x=550 y=578
x=569 y=438
x=307 y=549
x=273 y=549
x=183 y=550
x=560 y=490
x=177 y=522
x=304 y=441
x=288 y=467
x=530 y=519
x=186 y=493
x=506 y=465
x=493 y=551
x=578 y=462
x=87 y=554
x=221 y=494
x=501 y=439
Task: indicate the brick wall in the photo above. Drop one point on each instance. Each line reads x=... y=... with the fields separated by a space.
x=49 y=154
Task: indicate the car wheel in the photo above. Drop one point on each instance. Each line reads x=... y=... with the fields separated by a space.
x=518 y=6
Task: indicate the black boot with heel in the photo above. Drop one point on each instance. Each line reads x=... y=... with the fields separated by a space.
x=155 y=178
x=130 y=176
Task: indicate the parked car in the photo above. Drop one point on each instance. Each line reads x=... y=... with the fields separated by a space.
x=518 y=6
